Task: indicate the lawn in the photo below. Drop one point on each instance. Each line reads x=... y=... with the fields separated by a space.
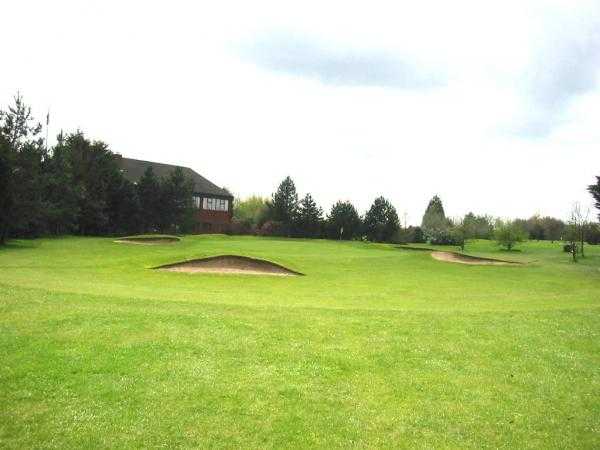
x=374 y=347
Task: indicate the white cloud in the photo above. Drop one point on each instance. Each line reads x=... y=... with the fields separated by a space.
x=165 y=82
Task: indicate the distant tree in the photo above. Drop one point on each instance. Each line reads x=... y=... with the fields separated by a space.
x=535 y=228
x=284 y=205
x=460 y=232
x=522 y=223
x=343 y=221
x=416 y=235
x=177 y=205
x=479 y=227
x=61 y=193
x=434 y=224
x=149 y=195
x=571 y=236
x=252 y=210
x=21 y=156
x=509 y=233
x=593 y=234
x=309 y=218
x=594 y=189
x=553 y=228
x=95 y=173
x=381 y=221
x=578 y=224
x=123 y=207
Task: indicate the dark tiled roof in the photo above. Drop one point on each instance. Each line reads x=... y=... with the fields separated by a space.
x=133 y=169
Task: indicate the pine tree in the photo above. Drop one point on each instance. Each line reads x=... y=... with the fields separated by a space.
x=95 y=173
x=594 y=189
x=176 y=197
x=381 y=221
x=21 y=156
x=343 y=221
x=123 y=207
x=60 y=192
x=434 y=224
x=149 y=195
x=284 y=205
x=309 y=218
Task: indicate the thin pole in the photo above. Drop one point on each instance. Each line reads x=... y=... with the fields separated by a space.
x=47 y=126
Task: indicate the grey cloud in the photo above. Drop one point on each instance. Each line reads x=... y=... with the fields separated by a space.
x=567 y=66
x=301 y=56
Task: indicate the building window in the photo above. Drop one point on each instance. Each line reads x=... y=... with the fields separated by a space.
x=197 y=201
x=215 y=204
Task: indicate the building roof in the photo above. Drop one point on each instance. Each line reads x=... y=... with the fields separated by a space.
x=133 y=169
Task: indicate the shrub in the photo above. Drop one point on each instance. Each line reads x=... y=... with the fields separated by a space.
x=272 y=228
x=509 y=233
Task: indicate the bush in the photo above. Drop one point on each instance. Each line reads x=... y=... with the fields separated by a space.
x=509 y=233
x=409 y=235
x=443 y=237
x=241 y=227
x=272 y=228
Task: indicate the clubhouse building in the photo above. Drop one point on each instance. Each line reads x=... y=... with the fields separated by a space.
x=214 y=205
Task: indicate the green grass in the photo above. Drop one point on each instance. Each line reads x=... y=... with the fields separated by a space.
x=374 y=347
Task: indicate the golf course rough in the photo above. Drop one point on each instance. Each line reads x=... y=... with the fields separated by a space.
x=374 y=347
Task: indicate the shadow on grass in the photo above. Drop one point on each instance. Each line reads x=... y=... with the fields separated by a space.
x=19 y=244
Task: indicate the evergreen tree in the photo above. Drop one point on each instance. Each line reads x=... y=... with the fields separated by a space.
x=284 y=205
x=381 y=221
x=309 y=218
x=95 y=173
x=343 y=221
x=149 y=195
x=176 y=197
x=594 y=189
x=21 y=156
x=435 y=226
x=123 y=207
x=60 y=192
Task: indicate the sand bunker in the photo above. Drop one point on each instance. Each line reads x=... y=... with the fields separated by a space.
x=472 y=260
x=154 y=240
x=230 y=264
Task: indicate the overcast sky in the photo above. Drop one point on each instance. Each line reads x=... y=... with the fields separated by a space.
x=495 y=106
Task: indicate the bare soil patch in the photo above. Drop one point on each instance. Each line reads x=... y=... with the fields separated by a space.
x=472 y=260
x=230 y=264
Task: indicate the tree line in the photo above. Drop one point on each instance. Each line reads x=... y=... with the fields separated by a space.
x=76 y=187
x=284 y=214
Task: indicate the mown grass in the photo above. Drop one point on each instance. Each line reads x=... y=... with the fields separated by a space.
x=375 y=347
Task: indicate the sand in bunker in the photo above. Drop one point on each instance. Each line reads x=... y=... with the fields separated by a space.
x=472 y=260
x=230 y=264
x=158 y=241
